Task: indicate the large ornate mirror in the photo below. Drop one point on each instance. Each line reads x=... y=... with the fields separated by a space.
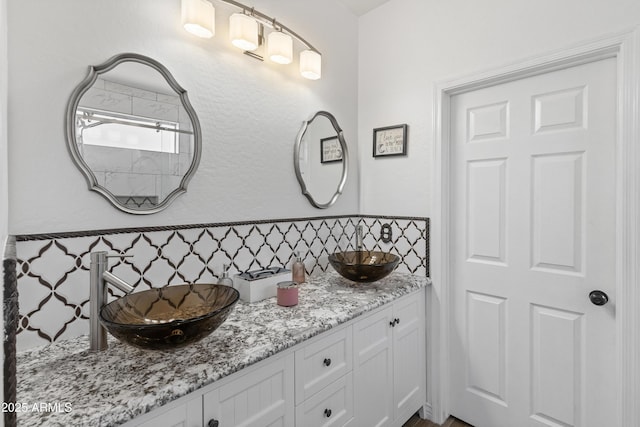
x=133 y=133
x=320 y=158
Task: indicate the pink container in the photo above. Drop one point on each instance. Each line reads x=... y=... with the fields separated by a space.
x=287 y=294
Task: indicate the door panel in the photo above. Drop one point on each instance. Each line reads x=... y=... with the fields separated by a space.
x=533 y=213
x=557 y=362
x=486 y=340
x=486 y=211
x=562 y=109
x=488 y=122
x=558 y=210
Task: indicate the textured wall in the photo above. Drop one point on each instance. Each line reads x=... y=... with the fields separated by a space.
x=250 y=111
x=406 y=46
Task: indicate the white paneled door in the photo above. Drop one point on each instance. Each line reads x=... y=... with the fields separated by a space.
x=533 y=205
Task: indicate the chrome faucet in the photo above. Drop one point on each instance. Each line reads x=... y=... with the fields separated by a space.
x=100 y=277
x=359 y=245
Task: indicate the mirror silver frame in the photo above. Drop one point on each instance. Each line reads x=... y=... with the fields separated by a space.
x=71 y=135
x=345 y=160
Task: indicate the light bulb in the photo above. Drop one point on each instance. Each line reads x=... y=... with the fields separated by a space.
x=243 y=31
x=198 y=18
x=310 y=64
x=280 y=47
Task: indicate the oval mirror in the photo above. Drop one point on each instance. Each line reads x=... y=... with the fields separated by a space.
x=320 y=159
x=133 y=133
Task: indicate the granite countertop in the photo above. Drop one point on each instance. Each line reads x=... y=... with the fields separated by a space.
x=80 y=388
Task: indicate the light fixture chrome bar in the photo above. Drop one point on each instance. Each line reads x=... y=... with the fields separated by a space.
x=253 y=54
x=102 y=121
x=270 y=22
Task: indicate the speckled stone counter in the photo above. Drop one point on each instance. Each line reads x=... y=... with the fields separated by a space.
x=82 y=388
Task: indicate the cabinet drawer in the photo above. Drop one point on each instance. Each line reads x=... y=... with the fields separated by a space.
x=332 y=406
x=321 y=362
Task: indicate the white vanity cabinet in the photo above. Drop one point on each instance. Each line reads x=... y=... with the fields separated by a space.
x=369 y=371
x=389 y=363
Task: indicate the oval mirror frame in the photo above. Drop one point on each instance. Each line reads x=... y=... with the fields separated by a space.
x=345 y=160
x=71 y=130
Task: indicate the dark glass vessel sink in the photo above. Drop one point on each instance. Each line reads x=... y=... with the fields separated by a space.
x=170 y=317
x=364 y=266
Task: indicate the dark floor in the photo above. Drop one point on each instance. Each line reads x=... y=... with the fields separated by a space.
x=415 y=421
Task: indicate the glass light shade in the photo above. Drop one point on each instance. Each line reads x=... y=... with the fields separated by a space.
x=243 y=31
x=310 y=64
x=280 y=47
x=198 y=18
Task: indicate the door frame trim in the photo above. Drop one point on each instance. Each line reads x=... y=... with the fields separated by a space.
x=623 y=47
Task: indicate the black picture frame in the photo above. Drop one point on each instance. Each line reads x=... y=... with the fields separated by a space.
x=390 y=141
x=330 y=150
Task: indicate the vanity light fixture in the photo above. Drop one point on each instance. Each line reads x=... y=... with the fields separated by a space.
x=310 y=64
x=243 y=31
x=246 y=31
x=198 y=18
x=280 y=47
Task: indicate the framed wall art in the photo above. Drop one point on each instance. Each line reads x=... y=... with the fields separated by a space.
x=390 y=141
x=330 y=150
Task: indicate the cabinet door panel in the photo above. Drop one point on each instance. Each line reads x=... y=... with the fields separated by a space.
x=408 y=354
x=373 y=381
x=188 y=414
x=263 y=397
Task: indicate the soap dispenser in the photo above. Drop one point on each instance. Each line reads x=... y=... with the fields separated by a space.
x=297 y=270
x=225 y=279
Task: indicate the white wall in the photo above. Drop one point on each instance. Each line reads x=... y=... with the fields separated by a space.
x=250 y=111
x=408 y=45
x=4 y=184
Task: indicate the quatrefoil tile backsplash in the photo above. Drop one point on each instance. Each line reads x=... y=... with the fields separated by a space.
x=53 y=269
